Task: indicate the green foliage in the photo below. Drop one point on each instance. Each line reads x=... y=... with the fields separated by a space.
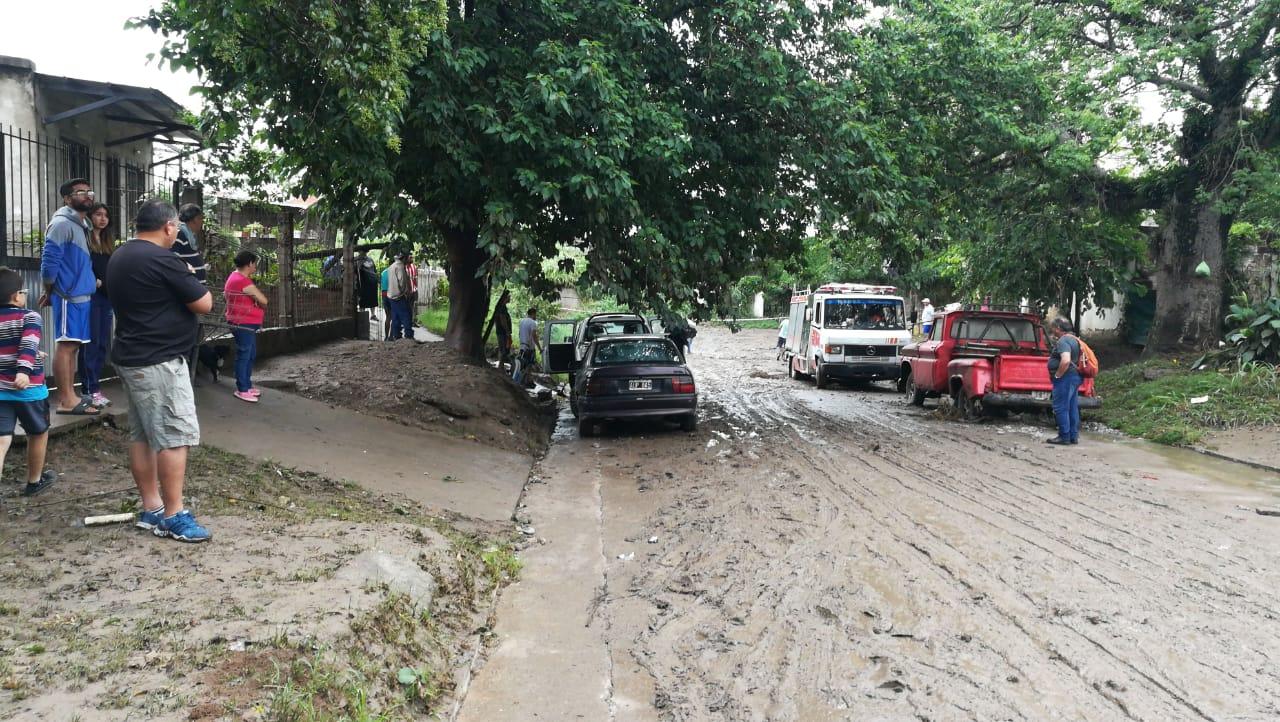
x=1153 y=399
x=1253 y=330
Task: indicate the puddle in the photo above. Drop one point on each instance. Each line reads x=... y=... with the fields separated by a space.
x=1204 y=467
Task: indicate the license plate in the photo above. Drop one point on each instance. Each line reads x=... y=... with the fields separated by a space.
x=640 y=385
x=1040 y=395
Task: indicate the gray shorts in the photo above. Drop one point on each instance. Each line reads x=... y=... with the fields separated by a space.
x=162 y=404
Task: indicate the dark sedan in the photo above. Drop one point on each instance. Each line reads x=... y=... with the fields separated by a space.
x=627 y=377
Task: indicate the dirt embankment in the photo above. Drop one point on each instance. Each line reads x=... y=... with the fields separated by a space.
x=428 y=386
x=316 y=599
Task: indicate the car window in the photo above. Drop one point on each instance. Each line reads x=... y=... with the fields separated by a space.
x=561 y=333
x=936 y=333
x=994 y=330
x=629 y=352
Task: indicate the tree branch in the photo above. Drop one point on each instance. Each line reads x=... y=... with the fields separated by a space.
x=1198 y=92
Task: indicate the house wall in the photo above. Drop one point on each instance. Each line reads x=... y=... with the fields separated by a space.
x=17 y=93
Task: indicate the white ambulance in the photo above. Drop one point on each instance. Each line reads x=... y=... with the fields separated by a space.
x=847 y=331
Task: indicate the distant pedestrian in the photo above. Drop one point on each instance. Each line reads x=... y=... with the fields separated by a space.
x=500 y=321
x=384 y=279
x=24 y=399
x=68 y=287
x=678 y=332
x=913 y=318
x=926 y=317
x=399 y=296
x=187 y=246
x=411 y=269
x=246 y=309
x=528 y=346
x=1064 y=364
x=782 y=335
x=93 y=355
x=691 y=330
x=157 y=299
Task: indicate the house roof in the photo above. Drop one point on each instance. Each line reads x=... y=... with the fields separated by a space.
x=155 y=115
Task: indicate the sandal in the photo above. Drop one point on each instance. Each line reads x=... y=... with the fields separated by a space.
x=81 y=409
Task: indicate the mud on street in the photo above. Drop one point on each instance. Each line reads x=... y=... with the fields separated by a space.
x=813 y=555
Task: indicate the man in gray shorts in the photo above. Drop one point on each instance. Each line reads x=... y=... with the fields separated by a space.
x=156 y=299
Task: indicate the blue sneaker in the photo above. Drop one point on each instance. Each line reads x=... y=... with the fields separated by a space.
x=149 y=520
x=183 y=527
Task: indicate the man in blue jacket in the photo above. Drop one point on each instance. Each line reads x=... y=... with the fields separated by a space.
x=68 y=284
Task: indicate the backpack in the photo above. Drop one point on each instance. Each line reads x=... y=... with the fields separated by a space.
x=1088 y=365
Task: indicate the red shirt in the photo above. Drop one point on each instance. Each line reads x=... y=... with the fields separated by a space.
x=241 y=308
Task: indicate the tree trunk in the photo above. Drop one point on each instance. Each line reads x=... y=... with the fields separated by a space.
x=1188 y=313
x=468 y=293
x=1189 y=307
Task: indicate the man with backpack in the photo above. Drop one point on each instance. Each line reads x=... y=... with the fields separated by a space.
x=1065 y=371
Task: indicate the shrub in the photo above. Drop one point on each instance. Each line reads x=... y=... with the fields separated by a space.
x=1253 y=334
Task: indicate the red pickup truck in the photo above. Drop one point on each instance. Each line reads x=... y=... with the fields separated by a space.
x=986 y=361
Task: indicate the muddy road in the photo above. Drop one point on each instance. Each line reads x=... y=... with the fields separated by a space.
x=837 y=555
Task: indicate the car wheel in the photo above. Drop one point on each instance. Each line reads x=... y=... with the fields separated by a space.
x=819 y=375
x=689 y=423
x=915 y=396
x=586 y=428
x=573 y=404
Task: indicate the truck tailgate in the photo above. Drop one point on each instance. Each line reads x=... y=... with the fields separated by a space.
x=1017 y=372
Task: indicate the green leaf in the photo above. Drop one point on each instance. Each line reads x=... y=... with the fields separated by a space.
x=407 y=675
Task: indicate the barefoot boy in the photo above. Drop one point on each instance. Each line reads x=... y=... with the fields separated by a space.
x=24 y=399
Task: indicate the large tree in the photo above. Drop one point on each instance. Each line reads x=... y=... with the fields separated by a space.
x=672 y=140
x=1217 y=68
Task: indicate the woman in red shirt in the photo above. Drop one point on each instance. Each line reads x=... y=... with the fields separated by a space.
x=245 y=311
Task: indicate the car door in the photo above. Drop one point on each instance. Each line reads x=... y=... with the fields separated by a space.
x=558 y=354
x=925 y=366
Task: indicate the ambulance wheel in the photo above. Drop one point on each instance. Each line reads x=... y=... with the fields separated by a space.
x=819 y=375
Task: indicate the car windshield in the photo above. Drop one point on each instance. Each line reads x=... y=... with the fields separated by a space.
x=863 y=313
x=646 y=351
x=994 y=330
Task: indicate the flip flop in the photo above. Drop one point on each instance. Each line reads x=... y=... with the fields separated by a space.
x=81 y=409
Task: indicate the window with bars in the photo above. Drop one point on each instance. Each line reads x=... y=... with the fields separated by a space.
x=77 y=159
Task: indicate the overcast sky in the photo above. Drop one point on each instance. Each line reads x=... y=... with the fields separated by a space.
x=87 y=39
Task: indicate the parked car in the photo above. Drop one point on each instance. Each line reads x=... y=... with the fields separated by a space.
x=986 y=361
x=633 y=376
x=566 y=342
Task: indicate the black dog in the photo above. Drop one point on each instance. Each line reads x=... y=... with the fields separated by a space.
x=212 y=357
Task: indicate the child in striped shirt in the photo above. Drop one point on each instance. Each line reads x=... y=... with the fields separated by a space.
x=24 y=399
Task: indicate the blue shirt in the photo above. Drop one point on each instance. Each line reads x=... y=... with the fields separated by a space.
x=31 y=393
x=65 y=262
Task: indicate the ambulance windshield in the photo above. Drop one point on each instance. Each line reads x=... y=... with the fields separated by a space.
x=863 y=314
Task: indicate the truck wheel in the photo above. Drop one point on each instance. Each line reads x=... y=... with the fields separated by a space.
x=915 y=396
x=970 y=407
x=819 y=375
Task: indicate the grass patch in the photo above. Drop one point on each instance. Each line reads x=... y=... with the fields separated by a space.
x=435 y=319
x=1152 y=399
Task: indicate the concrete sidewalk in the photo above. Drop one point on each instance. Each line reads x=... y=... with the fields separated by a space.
x=439 y=471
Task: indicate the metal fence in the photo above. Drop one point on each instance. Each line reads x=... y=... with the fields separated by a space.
x=33 y=166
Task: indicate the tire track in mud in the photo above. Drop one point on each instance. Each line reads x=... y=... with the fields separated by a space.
x=1266 y=612
x=799 y=549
